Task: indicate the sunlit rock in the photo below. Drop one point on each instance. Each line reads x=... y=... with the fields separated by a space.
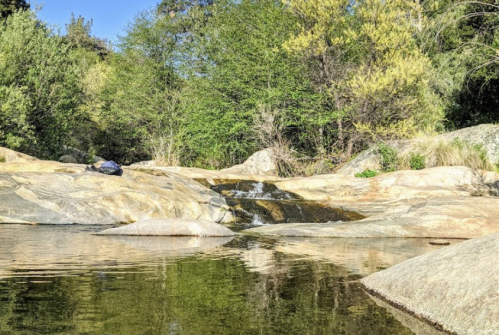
x=54 y=193
x=454 y=287
x=171 y=227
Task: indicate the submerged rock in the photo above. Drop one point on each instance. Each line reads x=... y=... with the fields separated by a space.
x=171 y=227
x=454 y=288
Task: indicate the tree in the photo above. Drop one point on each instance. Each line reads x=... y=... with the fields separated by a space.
x=462 y=39
x=238 y=71
x=367 y=60
x=9 y=7
x=141 y=114
x=39 y=90
x=78 y=35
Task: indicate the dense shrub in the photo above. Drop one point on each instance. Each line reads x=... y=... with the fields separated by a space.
x=417 y=162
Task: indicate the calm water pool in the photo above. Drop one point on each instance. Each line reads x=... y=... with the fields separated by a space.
x=64 y=280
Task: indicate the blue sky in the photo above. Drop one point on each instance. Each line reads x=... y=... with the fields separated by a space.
x=110 y=17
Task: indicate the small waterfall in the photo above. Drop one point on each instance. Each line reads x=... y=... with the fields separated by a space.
x=257 y=203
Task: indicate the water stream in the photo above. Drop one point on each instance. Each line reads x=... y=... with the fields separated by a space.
x=257 y=203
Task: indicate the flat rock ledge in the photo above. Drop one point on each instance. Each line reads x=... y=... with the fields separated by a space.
x=454 y=288
x=171 y=227
x=438 y=218
x=443 y=202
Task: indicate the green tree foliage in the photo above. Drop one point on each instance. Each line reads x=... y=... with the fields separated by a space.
x=240 y=76
x=369 y=64
x=38 y=87
x=79 y=36
x=208 y=82
x=140 y=114
x=462 y=40
x=9 y=7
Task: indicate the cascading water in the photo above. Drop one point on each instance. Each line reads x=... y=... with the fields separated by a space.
x=257 y=203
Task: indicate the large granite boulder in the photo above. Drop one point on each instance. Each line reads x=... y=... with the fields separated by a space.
x=443 y=202
x=485 y=135
x=55 y=193
x=458 y=218
x=209 y=177
x=171 y=227
x=455 y=288
x=261 y=166
x=261 y=163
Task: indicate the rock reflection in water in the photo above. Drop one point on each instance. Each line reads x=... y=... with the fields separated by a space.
x=362 y=256
x=50 y=250
x=64 y=280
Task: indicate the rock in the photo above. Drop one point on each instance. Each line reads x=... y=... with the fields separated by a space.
x=171 y=227
x=454 y=288
x=260 y=166
x=367 y=159
x=143 y=164
x=261 y=163
x=55 y=194
x=67 y=159
x=9 y=156
x=81 y=156
x=211 y=177
x=396 y=186
x=430 y=203
x=485 y=135
x=458 y=218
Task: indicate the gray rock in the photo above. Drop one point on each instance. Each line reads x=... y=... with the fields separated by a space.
x=68 y=159
x=455 y=287
x=171 y=227
x=262 y=162
x=432 y=203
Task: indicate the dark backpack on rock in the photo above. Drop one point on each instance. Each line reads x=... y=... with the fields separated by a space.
x=110 y=168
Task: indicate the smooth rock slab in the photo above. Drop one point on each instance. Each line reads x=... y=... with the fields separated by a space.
x=456 y=287
x=453 y=217
x=66 y=194
x=171 y=227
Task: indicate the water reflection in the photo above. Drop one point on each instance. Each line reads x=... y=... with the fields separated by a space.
x=64 y=280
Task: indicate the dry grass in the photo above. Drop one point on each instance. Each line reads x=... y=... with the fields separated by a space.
x=443 y=153
x=163 y=151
